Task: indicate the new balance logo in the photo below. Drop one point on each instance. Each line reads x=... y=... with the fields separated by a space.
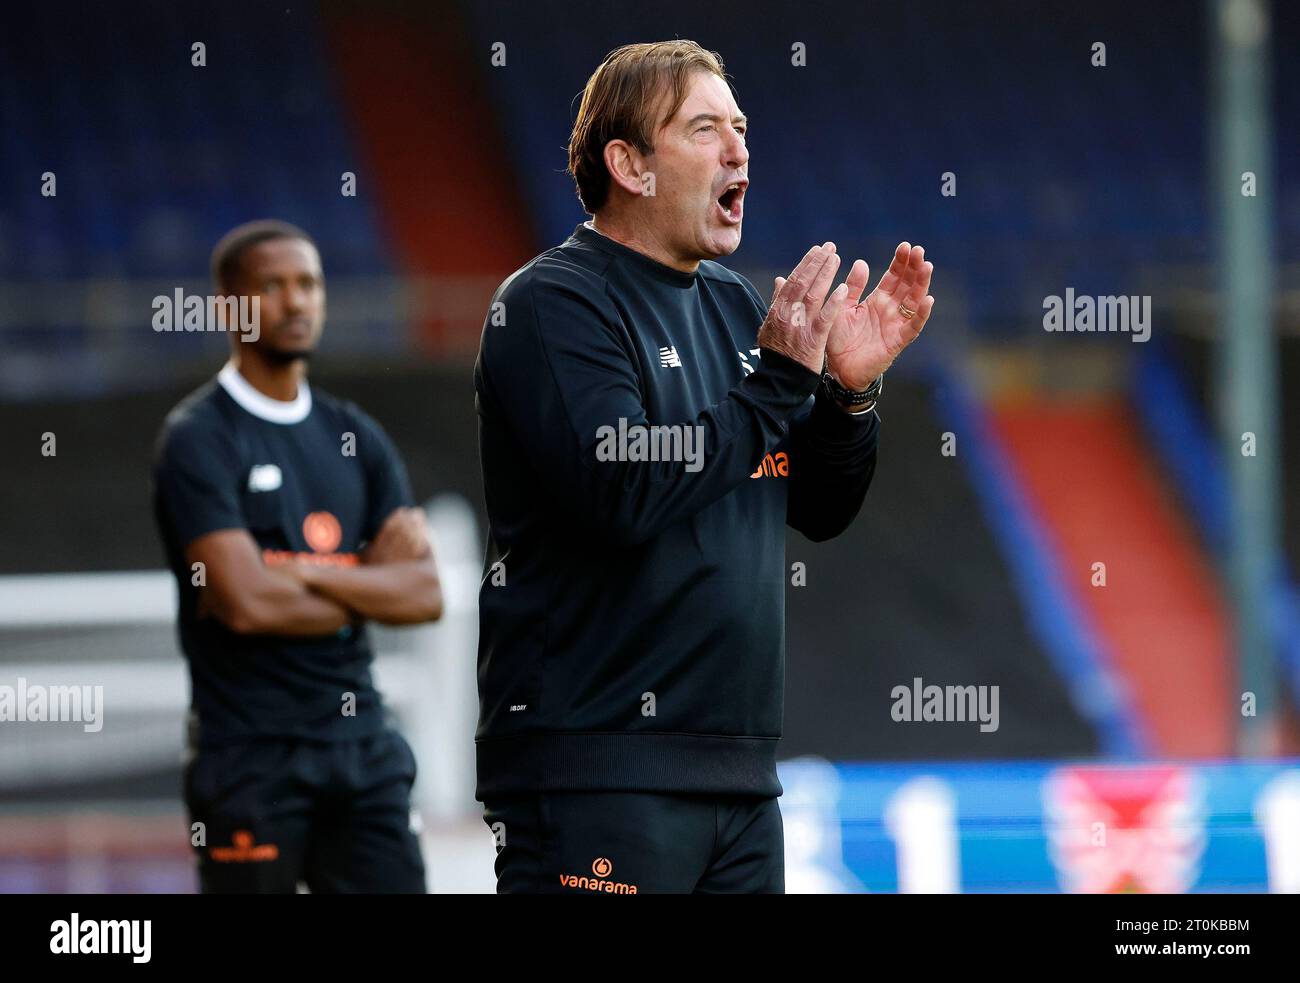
x=668 y=357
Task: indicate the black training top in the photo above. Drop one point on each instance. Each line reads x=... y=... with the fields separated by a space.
x=632 y=634
x=230 y=458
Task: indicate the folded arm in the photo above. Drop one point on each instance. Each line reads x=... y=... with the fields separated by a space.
x=406 y=592
x=251 y=598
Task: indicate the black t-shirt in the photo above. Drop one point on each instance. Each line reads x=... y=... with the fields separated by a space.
x=314 y=479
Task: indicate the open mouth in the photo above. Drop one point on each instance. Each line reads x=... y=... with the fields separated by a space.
x=731 y=203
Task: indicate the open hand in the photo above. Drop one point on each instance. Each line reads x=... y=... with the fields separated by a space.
x=868 y=335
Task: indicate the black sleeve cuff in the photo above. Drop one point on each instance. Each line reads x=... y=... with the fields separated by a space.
x=794 y=375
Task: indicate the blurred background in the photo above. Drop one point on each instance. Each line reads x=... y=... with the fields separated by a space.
x=1105 y=529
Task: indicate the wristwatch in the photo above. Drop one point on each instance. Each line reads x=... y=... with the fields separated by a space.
x=854 y=401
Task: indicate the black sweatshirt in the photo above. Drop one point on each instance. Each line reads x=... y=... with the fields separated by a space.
x=632 y=612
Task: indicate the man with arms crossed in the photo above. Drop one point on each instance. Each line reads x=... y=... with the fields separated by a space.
x=287 y=519
x=632 y=635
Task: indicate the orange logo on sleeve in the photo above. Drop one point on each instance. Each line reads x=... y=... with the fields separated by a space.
x=773 y=466
x=322 y=532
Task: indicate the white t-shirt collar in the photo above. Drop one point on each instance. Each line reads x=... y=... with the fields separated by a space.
x=261 y=405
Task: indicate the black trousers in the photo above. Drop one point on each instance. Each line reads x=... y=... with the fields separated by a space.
x=636 y=843
x=336 y=816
